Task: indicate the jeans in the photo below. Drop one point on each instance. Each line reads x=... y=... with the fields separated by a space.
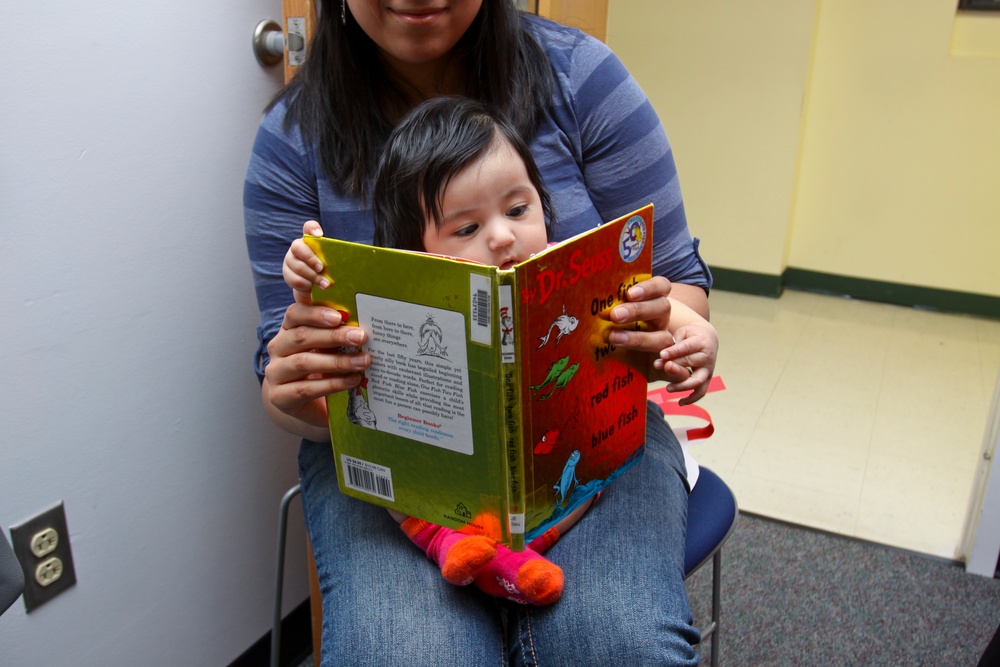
x=624 y=603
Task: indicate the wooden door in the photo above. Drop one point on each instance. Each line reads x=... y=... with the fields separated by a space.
x=298 y=22
x=590 y=16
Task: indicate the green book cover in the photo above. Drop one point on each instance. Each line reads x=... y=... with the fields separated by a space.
x=494 y=399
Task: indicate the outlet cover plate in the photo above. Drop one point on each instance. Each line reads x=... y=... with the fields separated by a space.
x=54 y=518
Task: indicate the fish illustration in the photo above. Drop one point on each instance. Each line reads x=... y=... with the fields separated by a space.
x=554 y=370
x=568 y=477
x=548 y=441
x=553 y=436
x=562 y=380
x=566 y=324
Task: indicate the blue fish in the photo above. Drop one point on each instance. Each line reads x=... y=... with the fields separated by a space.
x=568 y=477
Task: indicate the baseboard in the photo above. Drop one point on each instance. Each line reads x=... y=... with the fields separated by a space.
x=296 y=642
x=927 y=298
x=746 y=282
x=851 y=538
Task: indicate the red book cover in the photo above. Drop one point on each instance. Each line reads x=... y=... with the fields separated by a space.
x=584 y=419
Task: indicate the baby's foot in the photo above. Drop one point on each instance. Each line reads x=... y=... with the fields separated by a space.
x=461 y=557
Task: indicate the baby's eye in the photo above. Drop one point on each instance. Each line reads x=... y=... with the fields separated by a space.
x=518 y=211
x=467 y=230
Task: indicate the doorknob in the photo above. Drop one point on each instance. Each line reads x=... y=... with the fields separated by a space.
x=269 y=43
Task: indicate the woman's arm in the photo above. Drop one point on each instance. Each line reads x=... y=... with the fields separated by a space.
x=296 y=359
x=692 y=296
x=304 y=427
x=627 y=162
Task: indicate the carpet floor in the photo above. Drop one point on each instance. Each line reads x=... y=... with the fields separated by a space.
x=796 y=596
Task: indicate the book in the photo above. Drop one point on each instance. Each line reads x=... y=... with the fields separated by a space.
x=494 y=399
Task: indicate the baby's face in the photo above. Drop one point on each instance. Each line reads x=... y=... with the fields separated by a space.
x=490 y=212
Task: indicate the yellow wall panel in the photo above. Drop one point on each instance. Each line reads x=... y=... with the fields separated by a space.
x=728 y=80
x=851 y=137
x=900 y=176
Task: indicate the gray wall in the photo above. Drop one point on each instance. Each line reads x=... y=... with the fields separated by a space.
x=127 y=331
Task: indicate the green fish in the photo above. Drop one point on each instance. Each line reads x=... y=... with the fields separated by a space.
x=562 y=380
x=554 y=373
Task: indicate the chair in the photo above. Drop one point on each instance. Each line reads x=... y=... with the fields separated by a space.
x=712 y=514
x=11 y=575
x=279 y=583
x=315 y=604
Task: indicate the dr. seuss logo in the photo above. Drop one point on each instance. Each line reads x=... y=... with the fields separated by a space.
x=632 y=239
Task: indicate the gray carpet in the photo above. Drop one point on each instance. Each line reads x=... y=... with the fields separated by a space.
x=794 y=596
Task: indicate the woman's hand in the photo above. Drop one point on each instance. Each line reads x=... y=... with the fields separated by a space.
x=647 y=302
x=312 y=355
x=687 y=362
x=309 y=362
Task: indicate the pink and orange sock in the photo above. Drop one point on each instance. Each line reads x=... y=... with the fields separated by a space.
x=461 y=557
x=525 y=576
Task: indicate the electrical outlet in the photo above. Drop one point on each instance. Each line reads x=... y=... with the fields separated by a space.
x=44 y=542
x=41 y=544
x=48 y=571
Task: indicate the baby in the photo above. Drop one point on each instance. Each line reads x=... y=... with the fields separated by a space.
x=455 y=179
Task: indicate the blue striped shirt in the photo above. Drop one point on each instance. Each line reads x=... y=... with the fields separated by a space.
x=601 y=149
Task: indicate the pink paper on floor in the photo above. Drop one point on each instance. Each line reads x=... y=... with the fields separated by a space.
x=668 y=402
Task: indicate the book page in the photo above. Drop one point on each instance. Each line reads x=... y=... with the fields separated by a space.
x=418 y=382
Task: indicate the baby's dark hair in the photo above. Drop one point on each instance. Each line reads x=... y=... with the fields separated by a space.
x=432 y=143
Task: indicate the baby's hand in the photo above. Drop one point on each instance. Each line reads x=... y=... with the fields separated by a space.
x=695 y=348
x=302 y=268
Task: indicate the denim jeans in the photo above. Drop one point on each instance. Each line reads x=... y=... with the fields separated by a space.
x=385 y=603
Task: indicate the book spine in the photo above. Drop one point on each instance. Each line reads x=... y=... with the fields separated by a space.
x=511 y=431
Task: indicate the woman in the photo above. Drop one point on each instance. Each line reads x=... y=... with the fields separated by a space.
x=602 y=153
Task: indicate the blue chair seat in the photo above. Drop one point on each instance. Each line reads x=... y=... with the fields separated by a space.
x=712 y=514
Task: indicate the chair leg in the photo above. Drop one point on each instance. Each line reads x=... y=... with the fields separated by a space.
x=316 y=607
x=280 y=575
x=716 y=599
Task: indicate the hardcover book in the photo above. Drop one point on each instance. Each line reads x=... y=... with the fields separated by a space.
x=494 y=398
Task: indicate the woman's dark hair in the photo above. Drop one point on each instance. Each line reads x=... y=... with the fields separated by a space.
x=432 y=143
x=346 y=100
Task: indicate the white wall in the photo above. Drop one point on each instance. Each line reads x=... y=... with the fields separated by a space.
x=127 y=331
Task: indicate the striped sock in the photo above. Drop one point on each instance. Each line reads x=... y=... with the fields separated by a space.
x=461 y=557
x=526 y=576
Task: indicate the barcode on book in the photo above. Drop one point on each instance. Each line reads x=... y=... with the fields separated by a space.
x=481 y=315
x=481 y=307
x=367 y=477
